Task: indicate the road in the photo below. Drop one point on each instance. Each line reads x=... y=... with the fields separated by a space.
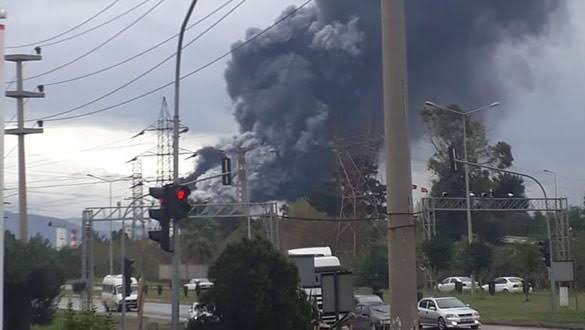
x=151 y=310
x=499 y=327
x=163 y=311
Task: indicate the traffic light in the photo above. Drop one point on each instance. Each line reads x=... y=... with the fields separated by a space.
x=163 y=216
x=453 y=160
x=226 y=171
x=178 y=202
x=544 y=248
x=127 y=278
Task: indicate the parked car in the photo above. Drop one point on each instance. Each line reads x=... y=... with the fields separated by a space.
x=448 y=312
x=202 y=283
x=371 y=313
x=507 y=285
x=448 y=284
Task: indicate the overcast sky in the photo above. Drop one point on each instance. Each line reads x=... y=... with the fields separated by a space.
x=541 y=113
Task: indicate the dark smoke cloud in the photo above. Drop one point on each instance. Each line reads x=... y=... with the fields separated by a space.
x=317 y=77
x=208 y=157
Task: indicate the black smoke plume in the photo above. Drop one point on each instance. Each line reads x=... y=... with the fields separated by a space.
x=316 y=77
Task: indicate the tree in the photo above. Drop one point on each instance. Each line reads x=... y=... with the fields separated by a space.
x=200 y=241
x=257 y=288
x=374 y=269
x=476 y=257
x=438 y=252
x=445 y=131
x=32 y=282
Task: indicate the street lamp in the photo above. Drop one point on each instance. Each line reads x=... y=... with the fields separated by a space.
x=464 y=116
x=555 y=180
x=109 y=182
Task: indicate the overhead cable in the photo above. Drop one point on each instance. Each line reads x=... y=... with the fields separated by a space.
x=91 y=18
x=131 y=58
x=140 y=76
x=96 y=48
x=152 y=91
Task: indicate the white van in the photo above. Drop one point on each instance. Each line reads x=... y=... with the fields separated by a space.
x=112 y=293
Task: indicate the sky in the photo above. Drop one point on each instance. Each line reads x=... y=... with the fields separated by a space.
x=539 y=77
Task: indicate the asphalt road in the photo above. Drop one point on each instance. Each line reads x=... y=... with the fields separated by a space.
x=163 y=311
x=152 y=310
x=499 y=327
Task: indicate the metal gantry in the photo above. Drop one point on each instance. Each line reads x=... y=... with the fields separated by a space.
x=558 y=207
x=266 y=212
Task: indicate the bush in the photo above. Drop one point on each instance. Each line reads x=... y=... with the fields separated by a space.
x=257 y=288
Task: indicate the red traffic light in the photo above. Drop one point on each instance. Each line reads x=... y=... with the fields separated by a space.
x=181 y=194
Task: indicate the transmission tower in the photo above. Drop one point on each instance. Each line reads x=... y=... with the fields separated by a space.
x=164 y=150
x=137 y=198
x=356 y=160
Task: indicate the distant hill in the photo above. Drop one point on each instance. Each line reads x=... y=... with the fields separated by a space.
x=38 y=224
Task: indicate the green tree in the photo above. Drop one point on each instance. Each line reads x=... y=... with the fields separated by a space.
x=373 y=271
x=32 y=280
x=476 y=257
x=257 y=288
x=445 y=131
x=438 y=253
x=200 y=241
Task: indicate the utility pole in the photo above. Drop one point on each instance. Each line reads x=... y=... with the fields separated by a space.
x=2 y=111
x=123 y=265
x=20 y=94
x=243 y=192
x=176 y=123
x=401 y=227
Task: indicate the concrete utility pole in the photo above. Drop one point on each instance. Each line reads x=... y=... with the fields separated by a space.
x=176 y=123
x=20 y=94
x=243 y=185
x=123 y=265
x=2 y=111
x=401 y=227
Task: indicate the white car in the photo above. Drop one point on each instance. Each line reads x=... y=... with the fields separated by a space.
x=447 y=312
x=202 y=283
x=507 y=285
x=448 y=284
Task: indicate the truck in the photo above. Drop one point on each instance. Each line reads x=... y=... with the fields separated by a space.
x=324 y=262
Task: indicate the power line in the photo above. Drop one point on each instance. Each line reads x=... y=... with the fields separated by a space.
x=93 y=50
x=199 y=69
x=91 y=18
x=129 y=59
x=140 y=76
x=97 y=26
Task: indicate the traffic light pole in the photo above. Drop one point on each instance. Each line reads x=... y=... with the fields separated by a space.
x=176 y=240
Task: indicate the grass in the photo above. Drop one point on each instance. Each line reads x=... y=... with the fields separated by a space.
x=514 y=310
x=131 y=323
x=165 y=296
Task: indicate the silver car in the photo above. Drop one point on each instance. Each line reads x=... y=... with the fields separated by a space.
x=448 y=312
